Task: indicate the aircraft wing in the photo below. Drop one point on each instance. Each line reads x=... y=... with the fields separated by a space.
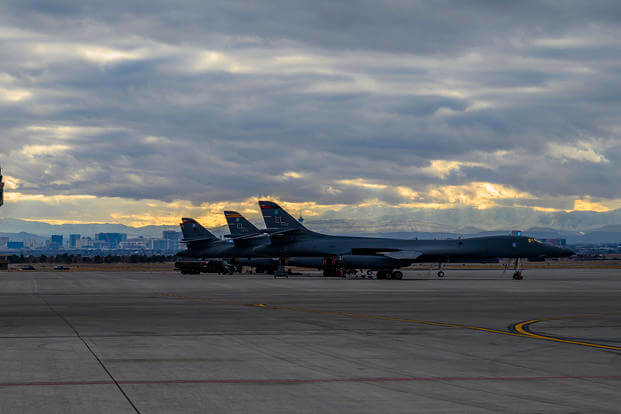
x=196 y=239
x=281 y=232
x=245 y=240
x=392 y=253
x=402 y=254
x=248 y=236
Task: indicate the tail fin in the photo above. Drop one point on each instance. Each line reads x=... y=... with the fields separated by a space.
x=239 y=226
x=192 y=231
x=278 y=219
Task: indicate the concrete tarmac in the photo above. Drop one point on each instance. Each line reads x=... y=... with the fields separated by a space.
x=476 y=341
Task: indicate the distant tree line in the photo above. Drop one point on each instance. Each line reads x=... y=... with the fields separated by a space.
x=76 y=258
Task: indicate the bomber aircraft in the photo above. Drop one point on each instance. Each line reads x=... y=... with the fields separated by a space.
x=289 y=238
x=201 y=243
x=246 y=234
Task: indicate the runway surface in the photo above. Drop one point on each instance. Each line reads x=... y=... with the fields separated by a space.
x=475 y=341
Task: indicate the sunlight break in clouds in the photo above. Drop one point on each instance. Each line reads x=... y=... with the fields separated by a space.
x=588 y=205
x=480 y=195
x=14 y=95
x=442 y=168
x=580 y=151
x=38 y=150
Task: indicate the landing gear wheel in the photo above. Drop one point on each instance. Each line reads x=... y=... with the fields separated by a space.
x=381 y=275
x=388 y=275
x=397 y=275
x=518 y=275
x=440 y=273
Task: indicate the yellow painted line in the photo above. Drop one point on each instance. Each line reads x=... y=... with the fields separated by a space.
x=521 y=328
x=497 y=331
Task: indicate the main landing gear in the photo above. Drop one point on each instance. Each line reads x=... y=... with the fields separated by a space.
x=280 y=271
x=440 y=269
x=389 y=274
x=517 y=270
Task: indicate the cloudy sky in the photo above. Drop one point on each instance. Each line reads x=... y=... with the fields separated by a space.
x=141 y=112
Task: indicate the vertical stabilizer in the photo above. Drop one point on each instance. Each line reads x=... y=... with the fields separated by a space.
x=278 y=219
x=239 y=226
x=192 y=231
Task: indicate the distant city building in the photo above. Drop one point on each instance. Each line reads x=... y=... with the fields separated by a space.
x=56 y=241
x=33 y=243
x=171 y=235
x=134 y=244
x=109 y=240
x=73 y=240
x=3 y=242
x=84 y=243
x=15 y=245
x=159 y=244
x=173 y=238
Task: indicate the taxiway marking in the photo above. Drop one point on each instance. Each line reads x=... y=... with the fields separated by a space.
x=520 y=328
x=523 y=328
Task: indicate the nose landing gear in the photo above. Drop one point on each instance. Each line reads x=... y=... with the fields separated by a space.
x=517 y=267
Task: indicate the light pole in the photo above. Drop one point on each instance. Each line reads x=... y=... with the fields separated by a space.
x=1 y=188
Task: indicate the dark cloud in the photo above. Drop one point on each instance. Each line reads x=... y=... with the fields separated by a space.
x=219 y=101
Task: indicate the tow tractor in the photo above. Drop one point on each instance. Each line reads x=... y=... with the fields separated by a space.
x=196 y=267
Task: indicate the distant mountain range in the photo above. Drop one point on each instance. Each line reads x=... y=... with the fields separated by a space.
x=375 y=219
x=39 y=228
x=386 y=221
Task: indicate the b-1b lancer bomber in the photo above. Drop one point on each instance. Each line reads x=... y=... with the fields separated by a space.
x=246 y=234
x=201 y=243
x=290 y=238
x=291 y=243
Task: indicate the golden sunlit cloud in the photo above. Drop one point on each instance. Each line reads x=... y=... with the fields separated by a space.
x=37 y=150
x=481 y=195
x=291 y=174
x=361 y=182
x=61 y=209
x=17 y=197
x=546 y=209
x=211 y=60
x=104 y=55
x=66 y=132
x=14 y=95
x=11 y=183
x=408 y=193
x=588 y=205
x=442 y=168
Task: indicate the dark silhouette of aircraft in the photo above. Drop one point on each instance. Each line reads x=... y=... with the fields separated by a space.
x=289 y=238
